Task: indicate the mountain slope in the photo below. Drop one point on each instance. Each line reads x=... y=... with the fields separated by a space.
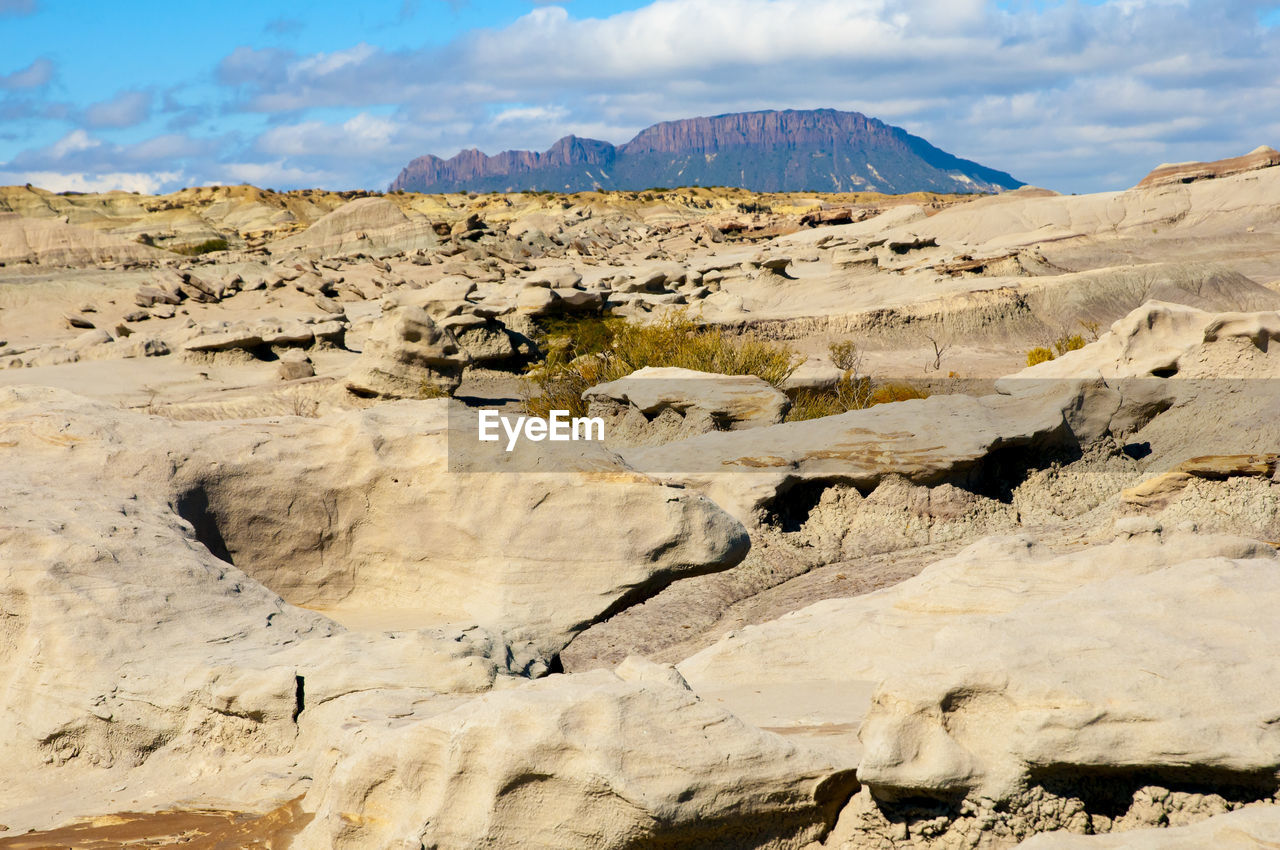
x=791 y=150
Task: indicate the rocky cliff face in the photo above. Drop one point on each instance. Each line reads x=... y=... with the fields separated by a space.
x=791 y=150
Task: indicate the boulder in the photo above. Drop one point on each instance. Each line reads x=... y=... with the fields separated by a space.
x=295 y=366
x=725 y=402
x=587 y=761
x=408 y=355
x=484 y=340
x=580 y=301
x=536 y=301
x=241 y=337
x=555 y=277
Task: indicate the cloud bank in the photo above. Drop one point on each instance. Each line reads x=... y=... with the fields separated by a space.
x=1073 y=96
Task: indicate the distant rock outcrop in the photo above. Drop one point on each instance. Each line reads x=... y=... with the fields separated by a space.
x=1189 y=172
x=791 y=150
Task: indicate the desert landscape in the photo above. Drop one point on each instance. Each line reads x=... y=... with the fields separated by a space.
x=919 y=521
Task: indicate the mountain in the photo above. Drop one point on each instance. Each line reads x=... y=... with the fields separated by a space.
x=792 y=150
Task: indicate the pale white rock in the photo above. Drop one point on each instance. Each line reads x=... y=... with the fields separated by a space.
x=583 y=761
x=555 y=277
x=407 y=355
x=734 y=401
x=144 y=667
x=367 y=225
x=926 y=441
x=1010 y=662
x=537 y=301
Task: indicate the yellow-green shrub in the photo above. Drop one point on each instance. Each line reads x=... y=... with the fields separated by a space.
x=1039 y=354
x=574 y=364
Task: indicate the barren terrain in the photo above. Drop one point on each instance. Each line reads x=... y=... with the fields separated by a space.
x=261 y=586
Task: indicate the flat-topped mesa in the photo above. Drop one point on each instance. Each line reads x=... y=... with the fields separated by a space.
x=767 y=151
x=1189 y=172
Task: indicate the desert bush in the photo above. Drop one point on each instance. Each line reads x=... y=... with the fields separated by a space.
x=852 y=390
x=1039 y=354
x=1065 y=343
x=1060 y=346
x=895 y=391
x=205 y=247
x=590 y=352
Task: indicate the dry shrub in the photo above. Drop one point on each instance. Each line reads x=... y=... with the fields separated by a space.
x=1060 y=346
x=895 y=391
x=852 y=391
x=609 y=349
x=1039 y=354
x=1065 y=343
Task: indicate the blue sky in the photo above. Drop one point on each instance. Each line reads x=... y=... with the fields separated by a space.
x=1076 y=96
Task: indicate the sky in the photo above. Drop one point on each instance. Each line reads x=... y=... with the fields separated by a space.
x=1073 y=95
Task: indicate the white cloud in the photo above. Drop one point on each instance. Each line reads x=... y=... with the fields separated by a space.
x=272 y=174
x=55 y=181
x=73 y=142
x=1072 y=95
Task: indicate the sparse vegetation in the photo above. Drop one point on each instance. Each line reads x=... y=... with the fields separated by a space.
x=584 y=352
x=1093 y=329
x=852 y=391
x=206 y=247
x=1066 y=343
x=1060 y=346
x=939 y=349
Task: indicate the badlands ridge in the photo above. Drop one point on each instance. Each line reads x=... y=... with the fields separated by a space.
x=259 y=587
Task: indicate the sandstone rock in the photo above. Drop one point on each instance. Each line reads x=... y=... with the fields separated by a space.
x=408 y=356
x=577 y=300
x=1171 y=340
x=536 y=301
x=617 y=764
x=331 y=331
x=727 y=402
x=146 y=296
x=484 y=340
x=77 y=321
x=1010 y=664
x=778 y=266
x=373 y=226
x=328 y=304
x=1254 y=827
x=1158 y=491
x=149 y=664
x=555 y=277
x=241 y=338
x=89 y=338
x=1188 y=172
x=941 y=438
x=295 y=367
x=449 y=288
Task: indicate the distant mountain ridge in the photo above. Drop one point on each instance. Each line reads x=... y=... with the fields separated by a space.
x=770 y=151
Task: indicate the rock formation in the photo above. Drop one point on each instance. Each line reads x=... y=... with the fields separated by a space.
x=913 y=593
x=763 y=151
